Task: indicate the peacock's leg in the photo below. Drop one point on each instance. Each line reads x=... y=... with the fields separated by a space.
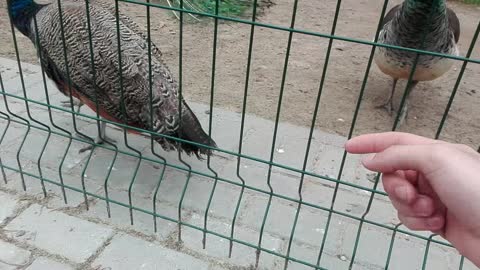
x=100 y=139
x=76 y=102
x=389 y=104
x=404 y=111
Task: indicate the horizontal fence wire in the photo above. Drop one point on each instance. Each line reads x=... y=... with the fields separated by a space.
x=31 y=123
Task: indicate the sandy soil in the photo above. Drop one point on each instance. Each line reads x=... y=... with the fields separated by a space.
x=346 y=68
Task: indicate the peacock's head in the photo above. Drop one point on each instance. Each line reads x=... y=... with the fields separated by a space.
x=18 y=7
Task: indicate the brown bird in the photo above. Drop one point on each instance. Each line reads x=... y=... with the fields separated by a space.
x=133 y=106
x=405 y=25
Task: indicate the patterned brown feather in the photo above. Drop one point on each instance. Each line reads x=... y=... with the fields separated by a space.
x=133 y=105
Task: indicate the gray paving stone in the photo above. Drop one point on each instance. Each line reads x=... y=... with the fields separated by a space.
x=126 y=252
x=349 y=201
x=255 y=175
x=52 y=155
x=58 y=233
x=309 y=254
x=142 y=222
x=374 y=245
x=290 y=145
x=219 y=247
x=122 y=172
x=280 y=219
x=12 y=257
x=54 y=191
x=9 y=204
x=217 y=267
x=43 y=263
x=14 y=86
x=198 y=192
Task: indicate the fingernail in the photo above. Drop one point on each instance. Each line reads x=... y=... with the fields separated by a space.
x=367 y=158
x=402 y=193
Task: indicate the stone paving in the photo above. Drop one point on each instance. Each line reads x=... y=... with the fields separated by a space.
x=45 y=232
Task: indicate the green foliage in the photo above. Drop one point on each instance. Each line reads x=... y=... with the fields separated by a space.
x=475 y=2
x=228 y=8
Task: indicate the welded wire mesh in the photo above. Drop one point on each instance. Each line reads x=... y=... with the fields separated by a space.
x=55 y=127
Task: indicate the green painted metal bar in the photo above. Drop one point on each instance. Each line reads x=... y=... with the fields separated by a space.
x=274 y=164
x=390 y=249
x=93 y=195
x=180 y=98
x=312 y=129
x=305 y=32
x=242 y=125
x=4 y=175
x=274 y=139
x=97 y=110
x=350 y=133
x=152 y=141
x=44 y=80
x=69 y=86
x=427 y=249
x=24 y=92
x=340 y=213
x=457 y=83
x=210 y=121
x=124 y=109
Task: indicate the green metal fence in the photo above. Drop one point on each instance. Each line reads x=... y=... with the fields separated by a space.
x=32 y=123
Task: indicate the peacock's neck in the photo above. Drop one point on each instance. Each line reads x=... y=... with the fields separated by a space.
x=21 y=13
x=419 y=18
x=422 y=11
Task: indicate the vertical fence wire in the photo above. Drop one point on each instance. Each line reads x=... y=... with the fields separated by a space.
x=242 y=125
x=457 y=83
x=97 y=110
x=124 y=110
x=152 y=141
x=277 y=119
x=210 y=121
x=350 y=133
x=312 y=129
x=180 y=100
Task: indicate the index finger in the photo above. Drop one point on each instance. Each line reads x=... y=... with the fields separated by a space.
x=377 y=142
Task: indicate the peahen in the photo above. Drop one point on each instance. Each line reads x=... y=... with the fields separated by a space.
x=105 y=85
x=419 y=24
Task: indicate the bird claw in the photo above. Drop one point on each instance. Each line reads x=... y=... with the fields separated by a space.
x=97 y=140
x=66 y=103
x=388 y=106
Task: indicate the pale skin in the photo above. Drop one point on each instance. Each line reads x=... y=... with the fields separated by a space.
x=434 y=185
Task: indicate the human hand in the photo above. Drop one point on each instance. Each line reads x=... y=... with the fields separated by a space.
x=434 y=185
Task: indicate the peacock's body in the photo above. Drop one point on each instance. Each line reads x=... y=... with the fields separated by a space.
x=130 y=104
x=419 y=24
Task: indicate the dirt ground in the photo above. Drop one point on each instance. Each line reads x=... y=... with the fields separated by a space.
x=346 y=68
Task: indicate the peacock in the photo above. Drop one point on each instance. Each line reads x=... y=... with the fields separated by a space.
x=133 y=105
x=419 y=24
